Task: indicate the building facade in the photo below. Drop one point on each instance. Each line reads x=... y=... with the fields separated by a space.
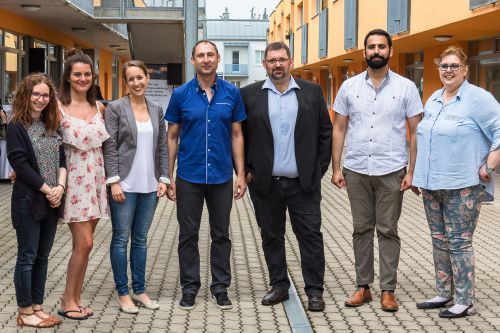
x=241 y=44
x=33 y=36
x=327 y=38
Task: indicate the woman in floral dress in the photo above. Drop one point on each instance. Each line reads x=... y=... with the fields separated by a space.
x=83 y=132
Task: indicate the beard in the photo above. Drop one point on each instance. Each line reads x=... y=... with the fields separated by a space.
x=377 y=61
x=278 y=73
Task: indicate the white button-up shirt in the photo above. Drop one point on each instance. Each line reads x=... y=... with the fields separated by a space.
x=376 y=132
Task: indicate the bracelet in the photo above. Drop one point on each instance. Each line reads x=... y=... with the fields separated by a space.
x=64 y=188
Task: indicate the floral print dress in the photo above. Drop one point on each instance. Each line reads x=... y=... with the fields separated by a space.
x=86 y=197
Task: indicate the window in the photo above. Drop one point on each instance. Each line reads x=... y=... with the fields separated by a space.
x=259 y=56
x=10 y=40
x=236 y=83
x=236 y=61
x=10 y=82
x=301 y=15
x=303 y=58
x=10 y=65
x=350 y=24
x=115 y=80
x=323 y=34
x=321 y=5
x=397 y=16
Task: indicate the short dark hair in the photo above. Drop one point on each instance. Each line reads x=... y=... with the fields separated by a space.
x=277 y=46
x=204 y=41
x=379 y=32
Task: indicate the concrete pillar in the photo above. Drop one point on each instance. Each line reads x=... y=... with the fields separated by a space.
x=190 y=35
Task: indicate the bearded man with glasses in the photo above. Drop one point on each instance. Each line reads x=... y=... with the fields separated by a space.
x=287 y=152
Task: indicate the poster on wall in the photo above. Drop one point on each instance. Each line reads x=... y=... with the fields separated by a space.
x=158 y=88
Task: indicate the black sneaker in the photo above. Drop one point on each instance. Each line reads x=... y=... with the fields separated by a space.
x=222 y=301
x=187 y=301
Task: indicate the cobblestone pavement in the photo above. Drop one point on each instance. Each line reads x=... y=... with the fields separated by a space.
x=415 y=275
x=250 y=280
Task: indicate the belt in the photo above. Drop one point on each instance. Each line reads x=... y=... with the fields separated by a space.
x=283 y=178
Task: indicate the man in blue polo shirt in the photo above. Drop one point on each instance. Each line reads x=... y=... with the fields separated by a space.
x=206 y=113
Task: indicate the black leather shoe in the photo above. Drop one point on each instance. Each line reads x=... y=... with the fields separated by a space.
x=433 y=305
x=451 y=315
x=316 y=303
x=275 y=296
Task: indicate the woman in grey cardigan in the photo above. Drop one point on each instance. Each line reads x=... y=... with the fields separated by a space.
x=135 y=159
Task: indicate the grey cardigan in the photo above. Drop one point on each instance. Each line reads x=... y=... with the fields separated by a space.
x=120 y=148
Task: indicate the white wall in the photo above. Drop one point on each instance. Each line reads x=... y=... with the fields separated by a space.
x=247 y=56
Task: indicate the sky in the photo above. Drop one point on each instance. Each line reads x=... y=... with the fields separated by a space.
x=238 y=9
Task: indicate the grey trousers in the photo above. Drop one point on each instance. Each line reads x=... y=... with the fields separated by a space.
x=375 y=204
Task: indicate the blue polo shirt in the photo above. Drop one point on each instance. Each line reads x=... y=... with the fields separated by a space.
x=205 y=149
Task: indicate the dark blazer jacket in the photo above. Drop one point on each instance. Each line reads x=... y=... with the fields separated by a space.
x=120 y=148
x=22 y=158
x=313 y=136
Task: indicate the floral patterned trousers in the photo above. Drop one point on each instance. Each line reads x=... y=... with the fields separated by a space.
x=452 y=216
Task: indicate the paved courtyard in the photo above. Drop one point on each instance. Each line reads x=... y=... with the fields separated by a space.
x=250 y=280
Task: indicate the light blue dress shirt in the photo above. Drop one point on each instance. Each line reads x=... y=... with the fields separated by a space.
x=283 y=108
x=376 y=130
x=454 y=140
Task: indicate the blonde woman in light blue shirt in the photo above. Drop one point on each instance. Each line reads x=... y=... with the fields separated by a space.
x=457 y=153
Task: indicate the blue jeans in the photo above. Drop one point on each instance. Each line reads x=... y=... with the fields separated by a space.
x=34 y=242
x=131 y=219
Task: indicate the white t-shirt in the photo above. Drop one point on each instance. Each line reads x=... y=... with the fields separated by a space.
x=141 y=178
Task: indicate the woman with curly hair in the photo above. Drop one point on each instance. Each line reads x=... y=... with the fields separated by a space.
x=35 y=152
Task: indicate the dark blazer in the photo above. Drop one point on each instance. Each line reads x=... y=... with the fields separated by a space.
x=119 y=149
x=313 y=136
x=22 y=158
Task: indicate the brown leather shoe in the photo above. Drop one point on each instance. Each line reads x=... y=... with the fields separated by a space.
x=360 y=297
x=388 y=301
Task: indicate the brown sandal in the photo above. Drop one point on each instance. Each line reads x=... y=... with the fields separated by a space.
x=54 y=319
x=45 y=323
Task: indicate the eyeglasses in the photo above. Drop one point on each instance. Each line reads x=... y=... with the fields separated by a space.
x=282 y=61
x=37 y=96
x=453 y=67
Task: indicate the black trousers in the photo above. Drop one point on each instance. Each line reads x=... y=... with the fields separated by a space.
x=190 y=199
x=34 y=242
x=305 y=216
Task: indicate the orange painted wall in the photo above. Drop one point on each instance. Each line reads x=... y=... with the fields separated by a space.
x=18 y=24
x=21 y=25
x=105 y=72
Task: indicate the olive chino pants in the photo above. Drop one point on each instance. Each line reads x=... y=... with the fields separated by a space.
x=376 y=203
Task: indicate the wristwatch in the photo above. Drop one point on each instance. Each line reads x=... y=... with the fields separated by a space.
x=490 y=171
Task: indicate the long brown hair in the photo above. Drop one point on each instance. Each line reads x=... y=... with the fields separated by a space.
x=74 y=56
x=21 y=108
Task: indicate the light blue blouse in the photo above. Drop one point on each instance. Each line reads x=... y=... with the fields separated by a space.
x=454 y=140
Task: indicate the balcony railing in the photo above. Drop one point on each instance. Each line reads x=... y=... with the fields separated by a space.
x=119 y=28
x=473 y=4
x=236 y=69
x=85 y=5
x=131 y=4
